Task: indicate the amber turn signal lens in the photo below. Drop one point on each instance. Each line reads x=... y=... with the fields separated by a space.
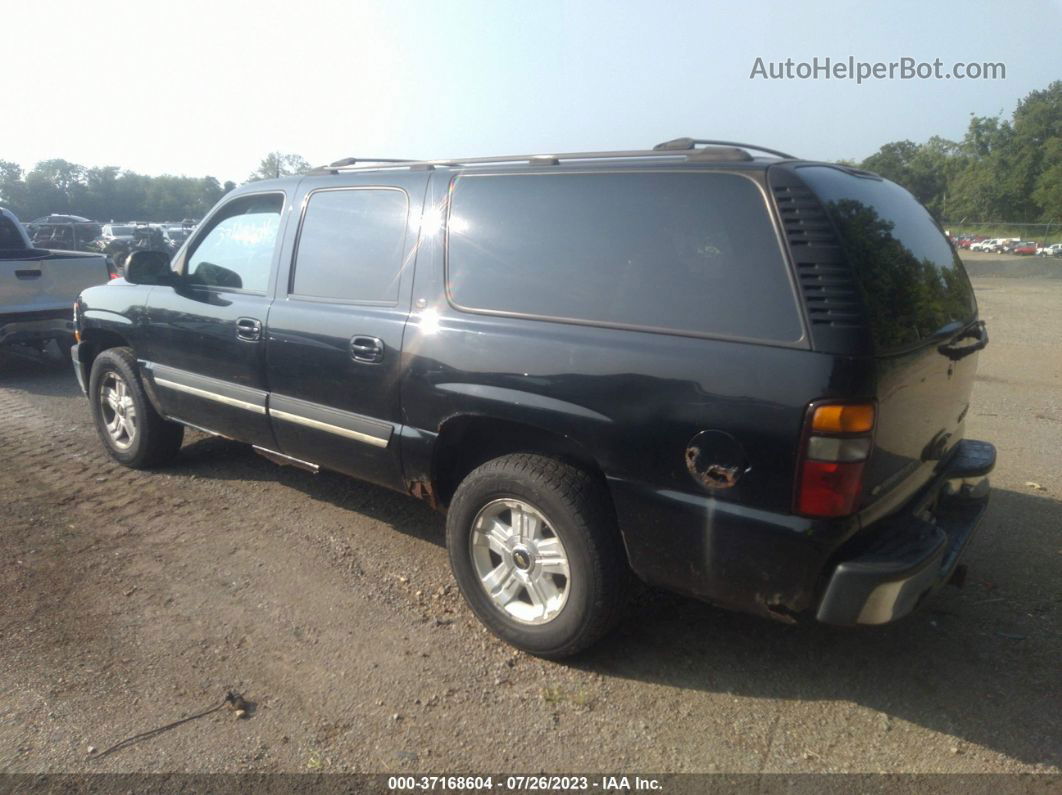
x=843 y=419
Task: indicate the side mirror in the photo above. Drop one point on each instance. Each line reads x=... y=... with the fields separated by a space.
x=149 y=267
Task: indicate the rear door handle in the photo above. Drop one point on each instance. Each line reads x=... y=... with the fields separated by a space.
x=249 y=329
x=369 y=350
x=28 y=274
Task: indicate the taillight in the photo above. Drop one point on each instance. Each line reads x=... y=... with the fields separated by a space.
x=835 y=447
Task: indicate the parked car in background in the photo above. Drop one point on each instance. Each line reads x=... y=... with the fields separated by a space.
x=1054 y=250
x=64 y=235
x=56 y=218
x=605 y=363
x=113 y=232
x=985 y=245
x=1025 y=248
x=175 y=235
x=38 y=288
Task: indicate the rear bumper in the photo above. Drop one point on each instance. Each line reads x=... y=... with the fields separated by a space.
x=781 y=565
x=914 y=552
x=36 y=326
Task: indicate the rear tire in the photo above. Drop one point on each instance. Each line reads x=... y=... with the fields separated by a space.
x=131 y=430
x=534 y=548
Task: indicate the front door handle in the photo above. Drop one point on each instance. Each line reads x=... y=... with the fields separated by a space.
x=248 y=329
x=369 y=350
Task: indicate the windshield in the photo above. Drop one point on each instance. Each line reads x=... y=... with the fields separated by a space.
x=122 y=231
x=912 y=281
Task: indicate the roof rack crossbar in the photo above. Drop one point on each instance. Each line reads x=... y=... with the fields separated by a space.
x=681 y=144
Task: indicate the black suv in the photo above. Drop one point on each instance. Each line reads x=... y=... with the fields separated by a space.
x=740 y=378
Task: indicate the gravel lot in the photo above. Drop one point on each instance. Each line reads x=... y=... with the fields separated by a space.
x=132 y=599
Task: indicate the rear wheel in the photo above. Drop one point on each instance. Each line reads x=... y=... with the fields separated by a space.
x=132 y=431
x=535 y=551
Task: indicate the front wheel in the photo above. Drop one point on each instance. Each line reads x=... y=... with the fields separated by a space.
x=535 y=550
x=132 y=431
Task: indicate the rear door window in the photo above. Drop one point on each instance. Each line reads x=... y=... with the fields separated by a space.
x=688 y=252
x=911 y=280
x=351 y=244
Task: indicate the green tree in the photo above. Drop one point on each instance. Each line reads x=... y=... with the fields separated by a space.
x=12 y=188
x=277 y=164
x=1048 y=191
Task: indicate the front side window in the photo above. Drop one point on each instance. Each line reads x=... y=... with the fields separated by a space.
x=236 y=252
x=691 y=252
x=351 y=245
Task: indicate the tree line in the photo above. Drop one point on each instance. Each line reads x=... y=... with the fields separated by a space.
x=1003 y=170
x=110 y=193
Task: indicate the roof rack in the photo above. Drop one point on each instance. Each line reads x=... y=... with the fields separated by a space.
x=685 y=144
x=684 y=148
x=347 y=162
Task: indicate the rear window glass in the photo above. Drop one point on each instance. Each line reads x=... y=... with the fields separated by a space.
x=10 y=237
x=911 y=279
x=690 y=252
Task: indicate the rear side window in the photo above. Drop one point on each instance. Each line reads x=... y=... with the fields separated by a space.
x=689 y=252
x=911 y=280
x=351 y=245
x=236 y=250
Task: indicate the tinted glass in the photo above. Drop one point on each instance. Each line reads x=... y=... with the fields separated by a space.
x=351 y=245
x=693 y=252
x=10 y=237
x=237 y=250
x=911 y=280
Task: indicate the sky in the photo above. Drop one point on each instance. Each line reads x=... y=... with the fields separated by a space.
x=199 y=88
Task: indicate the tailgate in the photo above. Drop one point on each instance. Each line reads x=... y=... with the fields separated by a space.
x=923 y=398
x=917 y=305
x=21 y=285
x=62 y=277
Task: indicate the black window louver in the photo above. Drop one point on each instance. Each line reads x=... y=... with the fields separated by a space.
x=825 y=278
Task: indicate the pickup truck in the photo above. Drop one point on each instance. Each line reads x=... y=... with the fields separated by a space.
x=38 y=288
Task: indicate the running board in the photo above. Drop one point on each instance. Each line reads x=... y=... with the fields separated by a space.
x=285 y=460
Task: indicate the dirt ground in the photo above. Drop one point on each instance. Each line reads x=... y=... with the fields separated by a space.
x=132 y=599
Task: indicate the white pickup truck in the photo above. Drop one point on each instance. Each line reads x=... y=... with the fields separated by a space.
x=38 y=288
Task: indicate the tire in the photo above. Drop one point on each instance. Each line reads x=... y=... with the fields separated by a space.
x=538 y=608
x=130 y=428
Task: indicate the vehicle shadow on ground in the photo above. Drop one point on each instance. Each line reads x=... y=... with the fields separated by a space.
x=980 y=664
x=221 y=459
x=46 y=374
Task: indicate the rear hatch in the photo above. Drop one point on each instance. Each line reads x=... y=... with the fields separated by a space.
x=893 y=292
